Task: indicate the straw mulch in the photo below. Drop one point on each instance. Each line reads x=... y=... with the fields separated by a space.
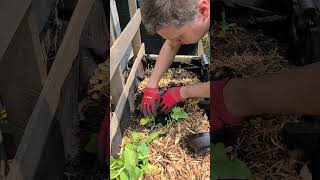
x=99 y=82
x=250 y=53
x=170 y=153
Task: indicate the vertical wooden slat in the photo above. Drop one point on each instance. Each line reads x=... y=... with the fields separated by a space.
x=117 y=80
x=136 y=42
x=119 y=111
x=115 y=17
x=112 y=33
x=119 y=47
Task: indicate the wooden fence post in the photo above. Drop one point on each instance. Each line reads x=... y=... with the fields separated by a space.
x=41 y=120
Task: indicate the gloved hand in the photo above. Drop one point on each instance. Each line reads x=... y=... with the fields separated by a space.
x=220 y=114
x=151 y=99
x=170 y=98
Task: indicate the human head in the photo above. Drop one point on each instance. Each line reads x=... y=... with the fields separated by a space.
x=184 y=21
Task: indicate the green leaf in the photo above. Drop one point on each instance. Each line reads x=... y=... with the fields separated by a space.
x=151 y=169
x=135 y=137
x=115 y=163
x=169 y=73
x=145 y=161
x=218 y=152
x=131 y=171
x=120 y=162
x=92 y=146
x=178 y=113
x=154 y=136
x=133 y=162
x=130 y=155
x=224 y=168
x=124 y=175
x=115 y=173
x=112 y=160
x=138 y=172
x=146 y=120
x=234 y=169
x=143 y=151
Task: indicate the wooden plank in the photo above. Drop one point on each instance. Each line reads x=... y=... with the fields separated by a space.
x=21 y=63
x=117 y=82
x=67 y=110
x=11 y=15
x=42 y=10
x=136 y=42
x=115 y=121
x=95 y=35
x=115 y=22
x=119 y=47
x=178 y=58
x=115 y=17
x=39 y=51
x=52 y=162
x=112 y=32
x=36 y=133
x=118 y=79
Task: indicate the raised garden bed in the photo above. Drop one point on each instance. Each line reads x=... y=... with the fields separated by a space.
x=170 y=154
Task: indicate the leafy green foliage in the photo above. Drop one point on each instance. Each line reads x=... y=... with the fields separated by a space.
x=180 y=69
x=146 y=120
x=154 y=136
x=134 y=160
x=178 y=114
x=169 y=73
x=224 y=168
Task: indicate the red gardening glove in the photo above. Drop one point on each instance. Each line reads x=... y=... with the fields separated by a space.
x=151 y=98
x=220 y=114
x=170 y=98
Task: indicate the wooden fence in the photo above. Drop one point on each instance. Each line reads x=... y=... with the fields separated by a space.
x=15 y=15
x=122 y=91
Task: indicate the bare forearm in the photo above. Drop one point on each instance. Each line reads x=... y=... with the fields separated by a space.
x=201 y=90
x=165 y=58
x=296 y=91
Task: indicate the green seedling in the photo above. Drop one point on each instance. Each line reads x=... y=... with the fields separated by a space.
x=180 y=70
x=178 y=114
x=169 y=73
x=133 y=163
x=221 y=167
x=146 y=120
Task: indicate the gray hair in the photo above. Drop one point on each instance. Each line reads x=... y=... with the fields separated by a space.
x=159 y=13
